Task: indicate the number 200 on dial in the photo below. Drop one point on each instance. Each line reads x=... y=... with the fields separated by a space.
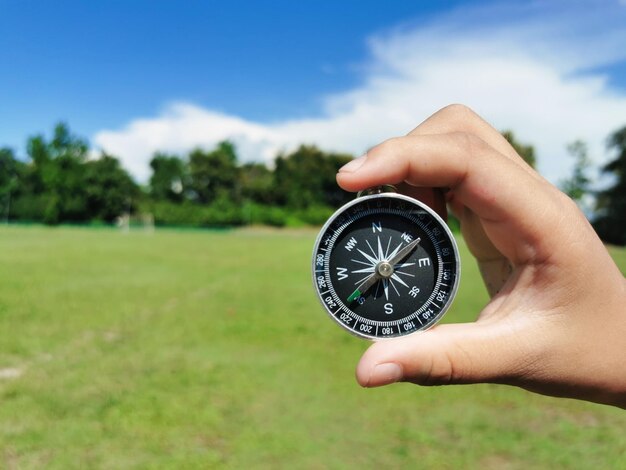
x=385 y=265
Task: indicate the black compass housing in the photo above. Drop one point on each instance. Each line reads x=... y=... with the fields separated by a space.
x=372 y=230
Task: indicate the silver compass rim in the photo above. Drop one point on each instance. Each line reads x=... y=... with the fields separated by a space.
x=437 y=217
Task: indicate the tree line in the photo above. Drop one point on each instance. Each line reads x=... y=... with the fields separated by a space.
x=56 y=182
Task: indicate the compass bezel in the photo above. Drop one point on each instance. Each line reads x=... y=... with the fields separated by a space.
x=336 y=315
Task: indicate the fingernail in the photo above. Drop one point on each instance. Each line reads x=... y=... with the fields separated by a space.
x=383 y=374
x=353 y=165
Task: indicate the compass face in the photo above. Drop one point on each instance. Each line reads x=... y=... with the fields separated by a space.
x=385 y=265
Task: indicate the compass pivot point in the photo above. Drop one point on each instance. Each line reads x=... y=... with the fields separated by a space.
x=384 y=269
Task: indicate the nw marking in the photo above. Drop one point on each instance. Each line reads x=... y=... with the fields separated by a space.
x=351 y=244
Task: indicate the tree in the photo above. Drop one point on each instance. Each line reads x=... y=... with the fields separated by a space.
x=58 y=174
x=214 y=174
x=306 y=178
x=257 y=183
x=110 y=189
x=169 y=179
x=9 y=180
x=527 y=152
x=611 y=203
x=577 y=186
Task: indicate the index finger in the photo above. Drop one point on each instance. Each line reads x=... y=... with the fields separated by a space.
x=511 y=203
x=460 y=118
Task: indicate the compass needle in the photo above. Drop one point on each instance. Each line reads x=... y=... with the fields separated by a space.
x=385 y=265
x=404 y=252
x=363 y=287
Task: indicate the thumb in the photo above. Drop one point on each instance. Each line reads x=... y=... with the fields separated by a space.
x=446 y=354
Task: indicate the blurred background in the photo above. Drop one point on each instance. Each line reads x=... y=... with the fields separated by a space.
x=164 y=167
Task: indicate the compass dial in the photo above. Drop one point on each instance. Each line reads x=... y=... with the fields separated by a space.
x=385 y=265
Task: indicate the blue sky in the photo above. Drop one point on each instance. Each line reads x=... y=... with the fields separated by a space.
x=99 y=64
x=134 y=76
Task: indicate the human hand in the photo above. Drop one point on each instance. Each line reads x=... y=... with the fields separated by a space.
x=556 y=323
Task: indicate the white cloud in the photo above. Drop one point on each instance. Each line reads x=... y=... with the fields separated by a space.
x=523 y=68
x=181 y=127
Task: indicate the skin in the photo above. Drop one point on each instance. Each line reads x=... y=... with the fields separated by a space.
x=556 y=321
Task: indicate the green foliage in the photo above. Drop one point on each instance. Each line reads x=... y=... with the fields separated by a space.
x=306 y=178
x=527 y=152
x=59 y=174
x=300 y=191
x=10 y=169
x=257 y=183
x=59 y=183
x=262 y=214
x=214 y=174
x=29 y=207
x=611 y=203
x=314 y=215
x=206 y=188
x=577 y=186
x=169 y=179
x=110 y=190
x=222 y=213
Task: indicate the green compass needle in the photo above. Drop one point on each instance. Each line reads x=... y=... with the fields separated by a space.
x=366 y=284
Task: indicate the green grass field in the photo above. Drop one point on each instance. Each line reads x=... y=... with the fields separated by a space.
x=197 y=349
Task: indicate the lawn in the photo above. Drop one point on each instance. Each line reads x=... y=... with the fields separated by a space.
x=199 y=349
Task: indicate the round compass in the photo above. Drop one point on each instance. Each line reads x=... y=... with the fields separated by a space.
x=385 y=265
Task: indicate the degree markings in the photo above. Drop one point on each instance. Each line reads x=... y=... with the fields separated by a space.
x=412 y=216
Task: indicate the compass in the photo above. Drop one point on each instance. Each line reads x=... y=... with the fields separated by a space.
x=385 y=265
